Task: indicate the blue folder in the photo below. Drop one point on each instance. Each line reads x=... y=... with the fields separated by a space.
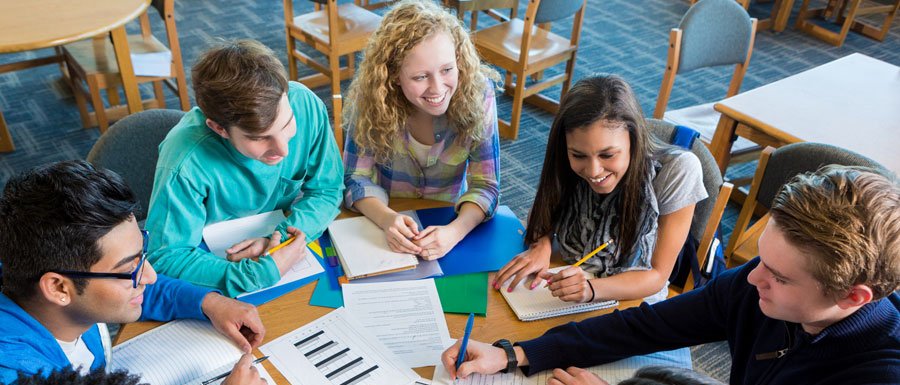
x=488 y=247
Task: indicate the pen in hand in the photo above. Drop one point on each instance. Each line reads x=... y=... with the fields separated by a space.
x=276 y=248
x=588 y=256
x=465 y=343
x=226 y=374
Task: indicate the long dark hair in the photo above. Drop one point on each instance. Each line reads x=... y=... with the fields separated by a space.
x=600 y=97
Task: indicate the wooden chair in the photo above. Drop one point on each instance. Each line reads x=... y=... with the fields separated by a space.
x=522 y=49
x=777 y=167
x=93 y=62
x=337 y=30
x=707 y=213
x=489 y=7
x=845 y=13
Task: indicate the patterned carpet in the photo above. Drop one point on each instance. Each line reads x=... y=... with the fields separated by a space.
x=628 y=38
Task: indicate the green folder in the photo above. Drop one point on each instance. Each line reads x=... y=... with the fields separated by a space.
x=465 y=293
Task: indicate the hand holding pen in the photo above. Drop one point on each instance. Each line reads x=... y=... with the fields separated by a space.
x=243 y=373
x=570 y=284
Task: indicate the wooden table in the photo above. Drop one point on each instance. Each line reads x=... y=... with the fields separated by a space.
x=35 y=24
x=852 y=102
x=292 y=311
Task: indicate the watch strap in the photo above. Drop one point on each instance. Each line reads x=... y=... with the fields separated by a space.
x=511 y=362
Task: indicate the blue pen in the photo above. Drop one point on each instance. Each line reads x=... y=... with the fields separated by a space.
x=465 y=341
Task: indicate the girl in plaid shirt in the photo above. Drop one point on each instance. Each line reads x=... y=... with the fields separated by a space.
x=422 y=123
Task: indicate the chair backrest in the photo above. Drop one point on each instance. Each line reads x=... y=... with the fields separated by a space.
x=793 y=159
x=131 y=148
x=712 y=178
x=552 y=10
x=714 y=32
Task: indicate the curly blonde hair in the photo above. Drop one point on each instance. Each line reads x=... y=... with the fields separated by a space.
x=378 y=108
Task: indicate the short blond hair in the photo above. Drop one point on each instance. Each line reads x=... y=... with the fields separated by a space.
x=848 y=220
x=379 y=109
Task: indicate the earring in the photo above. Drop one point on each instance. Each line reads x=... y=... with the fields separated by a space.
x=63 y=299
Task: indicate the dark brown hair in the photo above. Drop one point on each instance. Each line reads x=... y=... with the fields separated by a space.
x=848 y=221
x=600 y=97
x=239 y=83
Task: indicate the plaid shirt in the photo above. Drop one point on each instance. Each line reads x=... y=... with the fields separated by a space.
x=454 y=172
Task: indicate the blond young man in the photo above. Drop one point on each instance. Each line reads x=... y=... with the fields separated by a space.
x=818 y=306
x=256 y=143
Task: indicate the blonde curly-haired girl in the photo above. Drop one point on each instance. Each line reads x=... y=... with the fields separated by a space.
x=422 y=123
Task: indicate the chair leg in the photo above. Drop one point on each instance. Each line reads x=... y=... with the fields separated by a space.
x=6 y=143
x=512 y=131
x=97 y=101
x=158 y=92
x=292 y=61
x=112 y=94
x=78 y=93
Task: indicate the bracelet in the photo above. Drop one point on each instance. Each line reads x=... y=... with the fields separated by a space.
x=592 y=291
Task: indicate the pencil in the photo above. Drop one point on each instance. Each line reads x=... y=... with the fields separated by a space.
x=591 y=254
x=588 y=256
x=276 y=248
x=226 y=374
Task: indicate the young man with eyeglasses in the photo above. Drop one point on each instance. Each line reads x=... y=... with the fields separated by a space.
x=73 y=259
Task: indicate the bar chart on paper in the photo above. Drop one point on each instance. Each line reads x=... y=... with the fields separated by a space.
x=336 y=350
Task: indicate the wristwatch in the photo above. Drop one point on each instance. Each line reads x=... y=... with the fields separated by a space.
x=511 y=362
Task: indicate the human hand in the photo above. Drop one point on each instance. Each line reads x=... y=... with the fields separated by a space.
x=534 y=261
x=569 y=285
x=399 y=230
x=249 y=248
x=237 y=320
x=480 y=358
x=437 y=241
x=575 y=376
x=287 y=256
x=244 y=373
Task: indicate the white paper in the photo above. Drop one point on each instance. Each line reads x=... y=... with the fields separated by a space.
x=175 y=353
x=612 y=372
x=263 y=373
x=363 y=249
x=336 y=349
x=152 y=63
x=221 y=236
x=406 y=316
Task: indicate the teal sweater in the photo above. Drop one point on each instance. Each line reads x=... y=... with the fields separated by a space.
x=202 y=179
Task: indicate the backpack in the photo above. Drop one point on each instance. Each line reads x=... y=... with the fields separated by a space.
x=705 y=267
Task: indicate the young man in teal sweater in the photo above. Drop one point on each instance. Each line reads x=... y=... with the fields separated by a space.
x=256 y=143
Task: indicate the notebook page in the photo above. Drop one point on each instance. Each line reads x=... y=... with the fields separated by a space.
x=222 y=235
x=539 y=303
x=363 y=249
x=175 y=353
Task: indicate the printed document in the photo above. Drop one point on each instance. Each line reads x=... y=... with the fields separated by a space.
x=336 y=350
x=406 y=316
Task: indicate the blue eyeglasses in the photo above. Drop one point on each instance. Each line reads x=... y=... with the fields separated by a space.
x=134 y=276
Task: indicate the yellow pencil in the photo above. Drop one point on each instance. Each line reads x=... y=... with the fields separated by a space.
x=283 y=244
x=586 y=257
x=591 y=254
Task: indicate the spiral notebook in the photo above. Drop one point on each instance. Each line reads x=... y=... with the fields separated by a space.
x=530 y=305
